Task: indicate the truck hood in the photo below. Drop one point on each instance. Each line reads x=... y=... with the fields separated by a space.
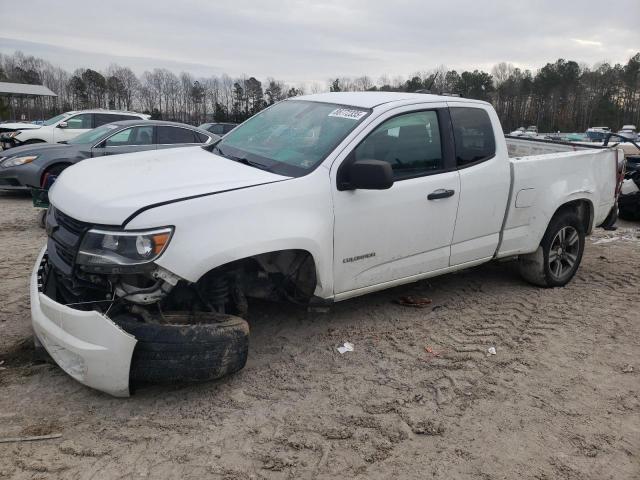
x=18 y=126
x=108 y=190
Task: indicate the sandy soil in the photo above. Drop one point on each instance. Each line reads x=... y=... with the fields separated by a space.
x=559 y=400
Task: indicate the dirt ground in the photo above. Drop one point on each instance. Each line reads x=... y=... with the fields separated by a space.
x=559 y=400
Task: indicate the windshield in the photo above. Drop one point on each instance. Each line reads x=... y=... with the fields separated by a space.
x=93 y=135
x=292 y=137
x=55 y=119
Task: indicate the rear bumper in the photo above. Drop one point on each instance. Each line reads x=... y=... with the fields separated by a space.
x=85 y=344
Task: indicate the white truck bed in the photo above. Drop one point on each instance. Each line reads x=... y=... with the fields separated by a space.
x=519 y=146
x=538 y=169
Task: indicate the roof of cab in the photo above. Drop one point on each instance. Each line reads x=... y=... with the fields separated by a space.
x=374 y=99
x=104 y=110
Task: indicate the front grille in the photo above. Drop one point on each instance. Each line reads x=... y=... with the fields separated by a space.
x=69 y=223
x=65 y=235
x=65 y=254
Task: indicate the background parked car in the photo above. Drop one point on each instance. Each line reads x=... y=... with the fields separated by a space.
x=28 y=166
x=629 y=200
x=220 y=129
x=63 y=127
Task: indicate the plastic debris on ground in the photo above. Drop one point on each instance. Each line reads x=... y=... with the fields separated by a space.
x=606 y=240
x=622 y=234
x=346 y=347
x=492 y=351
x=431 y=351
x=416 y=302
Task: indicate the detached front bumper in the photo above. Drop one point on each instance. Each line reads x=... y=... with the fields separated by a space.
x=85 y=344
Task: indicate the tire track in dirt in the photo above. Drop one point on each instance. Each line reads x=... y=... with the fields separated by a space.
x=390 y=409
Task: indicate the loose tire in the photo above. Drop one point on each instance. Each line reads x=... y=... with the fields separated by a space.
x=558 y=257
x=215 y=346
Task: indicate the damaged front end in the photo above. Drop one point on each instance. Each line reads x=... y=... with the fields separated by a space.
x=110 y=316
x=85 y=343
x=85 y=281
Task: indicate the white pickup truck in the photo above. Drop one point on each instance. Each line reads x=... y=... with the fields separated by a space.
x=151 y=256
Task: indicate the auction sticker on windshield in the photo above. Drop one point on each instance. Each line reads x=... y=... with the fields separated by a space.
x=348 y=113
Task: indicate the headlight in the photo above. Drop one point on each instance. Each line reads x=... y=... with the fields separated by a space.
x=112 y=248
x=11 y=134
x=15 y=161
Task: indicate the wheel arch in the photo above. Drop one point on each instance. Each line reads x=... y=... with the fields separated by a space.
x=52 y=164
x=285 y=261
x=582 y=207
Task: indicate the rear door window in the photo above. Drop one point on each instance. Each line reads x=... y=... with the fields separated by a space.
x=104 y=118
x=172 y=135
x=131 y=136
x=473 y=134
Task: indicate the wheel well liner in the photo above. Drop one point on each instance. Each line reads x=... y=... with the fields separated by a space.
x=583 y=208
x=275 y=261
x=50 y=167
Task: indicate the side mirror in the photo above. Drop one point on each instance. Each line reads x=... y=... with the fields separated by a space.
x=370 y=175
x=63 y=125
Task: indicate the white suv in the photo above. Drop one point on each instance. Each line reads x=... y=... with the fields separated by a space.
x=66 y=126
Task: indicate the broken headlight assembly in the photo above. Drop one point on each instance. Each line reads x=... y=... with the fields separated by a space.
x=112 y=251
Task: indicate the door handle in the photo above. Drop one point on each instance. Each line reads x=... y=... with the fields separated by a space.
x=440 y=193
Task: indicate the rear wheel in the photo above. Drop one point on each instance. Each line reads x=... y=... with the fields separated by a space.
x=558 y=257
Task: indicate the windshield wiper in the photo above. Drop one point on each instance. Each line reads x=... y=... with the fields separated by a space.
x=242 y=160
x=216 y=148
x=251 y=163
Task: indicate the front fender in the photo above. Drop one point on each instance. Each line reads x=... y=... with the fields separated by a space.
x=215 y=230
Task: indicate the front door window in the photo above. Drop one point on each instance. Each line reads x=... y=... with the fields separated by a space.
x=410 y=143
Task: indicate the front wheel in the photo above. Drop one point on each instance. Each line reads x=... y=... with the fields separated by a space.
x=558 y=257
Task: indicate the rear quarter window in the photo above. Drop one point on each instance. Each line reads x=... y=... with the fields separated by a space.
x=473 y=134
x=175 y=135
x=202 y=137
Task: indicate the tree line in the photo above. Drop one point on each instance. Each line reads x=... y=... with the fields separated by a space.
x=564 y=95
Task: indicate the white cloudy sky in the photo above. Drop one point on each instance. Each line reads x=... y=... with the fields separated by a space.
x=310 y=41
